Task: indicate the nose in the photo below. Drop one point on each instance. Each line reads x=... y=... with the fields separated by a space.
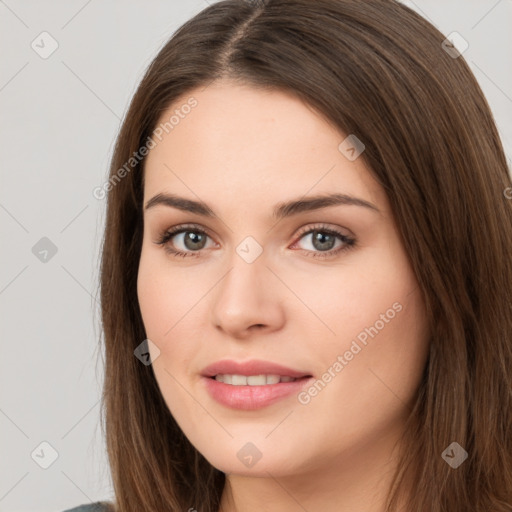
x=248 y=299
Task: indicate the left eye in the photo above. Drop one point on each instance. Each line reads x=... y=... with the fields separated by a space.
x=193 y=240
x=322 y=240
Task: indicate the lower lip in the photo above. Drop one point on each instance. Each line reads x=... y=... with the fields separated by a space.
x=253 y=397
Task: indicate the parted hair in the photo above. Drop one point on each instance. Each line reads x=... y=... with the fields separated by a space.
x=378 y=70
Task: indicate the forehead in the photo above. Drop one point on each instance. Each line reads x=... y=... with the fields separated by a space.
x=250 y=143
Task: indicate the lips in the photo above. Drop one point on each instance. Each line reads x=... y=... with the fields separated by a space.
x=224 y=382
x=253 y=367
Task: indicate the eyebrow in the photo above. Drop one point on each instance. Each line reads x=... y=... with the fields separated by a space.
x=281 y=210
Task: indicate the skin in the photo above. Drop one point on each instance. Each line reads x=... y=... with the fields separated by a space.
x=242 y=150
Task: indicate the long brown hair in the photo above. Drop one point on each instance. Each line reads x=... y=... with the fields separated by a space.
x=378 y=70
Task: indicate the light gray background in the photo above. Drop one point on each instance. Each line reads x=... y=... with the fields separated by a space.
x=60 y=117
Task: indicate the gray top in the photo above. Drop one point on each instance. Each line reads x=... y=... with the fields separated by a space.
x=91 y=507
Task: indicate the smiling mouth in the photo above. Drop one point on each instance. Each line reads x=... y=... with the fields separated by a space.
x=254 y=380
x=256 y=391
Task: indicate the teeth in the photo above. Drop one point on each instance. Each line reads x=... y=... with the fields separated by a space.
x=255 y=380
x=273 y=379
x=252 y=380
x=239 y=380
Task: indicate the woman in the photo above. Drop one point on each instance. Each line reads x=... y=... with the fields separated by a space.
x=306 y=270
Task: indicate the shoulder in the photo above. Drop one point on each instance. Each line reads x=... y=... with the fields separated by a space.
x=99 y=506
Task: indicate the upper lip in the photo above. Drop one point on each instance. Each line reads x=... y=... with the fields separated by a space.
x=253 y=367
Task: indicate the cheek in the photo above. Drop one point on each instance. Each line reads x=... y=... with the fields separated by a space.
x=150 y=296
x=162 y=306
x=352 y=297
x=381 y=334
x=376 y=316
x=160 y=300
x=166 y=297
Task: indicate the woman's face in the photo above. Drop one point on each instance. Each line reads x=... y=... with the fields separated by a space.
x=325 y=291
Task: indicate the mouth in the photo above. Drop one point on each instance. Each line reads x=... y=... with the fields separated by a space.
x=234 y=372
x=252 y=384
x=254 y=380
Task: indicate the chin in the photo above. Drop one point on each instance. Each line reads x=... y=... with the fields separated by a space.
x=240 y=463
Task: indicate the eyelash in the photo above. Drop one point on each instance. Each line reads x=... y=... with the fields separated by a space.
x=167 y=235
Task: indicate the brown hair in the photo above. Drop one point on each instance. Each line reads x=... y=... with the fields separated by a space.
x=378 y=70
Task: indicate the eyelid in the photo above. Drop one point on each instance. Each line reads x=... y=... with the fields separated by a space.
x=166 y=234
x=321 y=226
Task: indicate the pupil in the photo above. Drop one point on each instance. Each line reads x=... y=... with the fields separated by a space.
x=194 y=238
x=326 y=241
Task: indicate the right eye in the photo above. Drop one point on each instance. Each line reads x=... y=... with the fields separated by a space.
x=191 y=238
